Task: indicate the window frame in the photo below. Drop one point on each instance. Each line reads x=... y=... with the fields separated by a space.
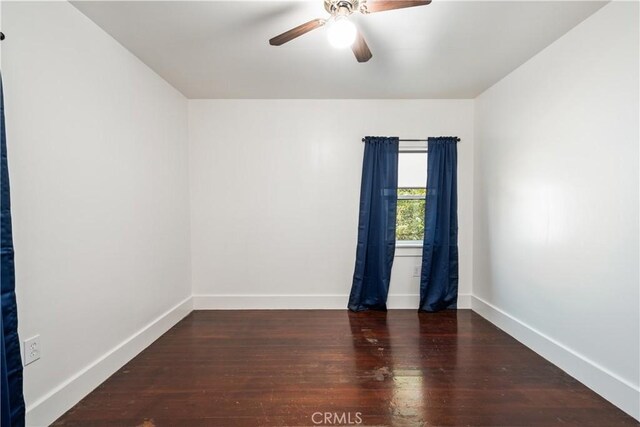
x=412 y=149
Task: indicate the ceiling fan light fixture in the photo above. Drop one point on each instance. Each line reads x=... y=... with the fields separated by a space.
x=341 y=32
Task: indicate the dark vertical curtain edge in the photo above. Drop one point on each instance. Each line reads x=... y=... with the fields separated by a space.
x=12 y=399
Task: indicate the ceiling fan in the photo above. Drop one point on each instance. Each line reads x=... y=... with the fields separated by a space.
x=342 y=32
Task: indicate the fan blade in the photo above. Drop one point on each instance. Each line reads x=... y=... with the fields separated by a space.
x=360 y=49
x=296 y=32
x=382 y=5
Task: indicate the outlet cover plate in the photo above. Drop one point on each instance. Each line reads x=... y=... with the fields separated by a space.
x=32 y=350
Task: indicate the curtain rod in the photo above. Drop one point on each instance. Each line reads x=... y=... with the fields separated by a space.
x=415 y=140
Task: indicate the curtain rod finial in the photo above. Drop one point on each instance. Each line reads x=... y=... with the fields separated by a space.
x=1 y=35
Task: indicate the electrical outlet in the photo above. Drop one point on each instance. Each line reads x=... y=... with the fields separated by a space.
x=417 y=271
x=32 y=350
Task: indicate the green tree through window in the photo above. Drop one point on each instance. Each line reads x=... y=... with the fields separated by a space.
x=410 y=214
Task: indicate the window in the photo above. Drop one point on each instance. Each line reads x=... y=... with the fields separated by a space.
x=410 y=216
x=412 y=182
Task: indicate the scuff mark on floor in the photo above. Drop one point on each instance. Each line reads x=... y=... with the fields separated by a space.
x=380 y=373
x=147 y=423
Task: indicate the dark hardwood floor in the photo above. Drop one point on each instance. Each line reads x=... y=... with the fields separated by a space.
x=279 y=368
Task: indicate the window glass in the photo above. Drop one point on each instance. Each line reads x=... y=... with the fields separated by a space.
x=412 y=170
x=412 y=182
x=410 y=220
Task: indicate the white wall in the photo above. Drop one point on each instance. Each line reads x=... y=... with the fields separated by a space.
x=556 y=203
x=98 y=163
x=275 y=190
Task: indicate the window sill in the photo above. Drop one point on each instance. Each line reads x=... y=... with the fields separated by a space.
x=409 y=249
x=408 y=244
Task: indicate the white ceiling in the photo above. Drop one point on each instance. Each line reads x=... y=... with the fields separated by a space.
x=449 y=49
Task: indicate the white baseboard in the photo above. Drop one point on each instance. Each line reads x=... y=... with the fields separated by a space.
x=464 y=301
x=615 y=389
x=302 y=302
x=59 y=400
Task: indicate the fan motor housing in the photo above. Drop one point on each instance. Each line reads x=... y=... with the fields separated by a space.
x=334 y=6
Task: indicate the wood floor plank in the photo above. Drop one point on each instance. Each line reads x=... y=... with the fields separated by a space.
x=400 y=368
